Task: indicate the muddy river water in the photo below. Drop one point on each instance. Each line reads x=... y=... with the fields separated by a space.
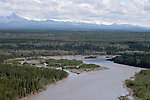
x=98 y=85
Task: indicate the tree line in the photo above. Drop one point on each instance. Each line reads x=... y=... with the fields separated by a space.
x=139 y=60
x=48 y=43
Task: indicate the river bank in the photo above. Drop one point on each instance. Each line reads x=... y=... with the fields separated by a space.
x=67 y=56
x=35 y=62
x=92 y=85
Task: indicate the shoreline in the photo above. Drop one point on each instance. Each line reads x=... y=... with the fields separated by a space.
x=102 y=56
x=44 y=89
x=86 y=70
x=130 y=92
x=64 y=56
x=55 y=83
x=70 y=56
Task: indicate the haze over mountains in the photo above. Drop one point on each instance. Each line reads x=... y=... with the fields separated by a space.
x=16 y=22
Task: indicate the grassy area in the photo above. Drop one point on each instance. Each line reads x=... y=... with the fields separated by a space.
x=76 y=66
x=63 y=62
x=85 y=68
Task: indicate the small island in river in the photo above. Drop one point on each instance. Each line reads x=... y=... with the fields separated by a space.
x=75 y=66
x=90 y=57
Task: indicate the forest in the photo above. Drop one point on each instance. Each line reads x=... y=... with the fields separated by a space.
x=138 y=60
x=19 y=43
x=19 y=81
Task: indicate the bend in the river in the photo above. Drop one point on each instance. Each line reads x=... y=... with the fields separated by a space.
x=98 y=85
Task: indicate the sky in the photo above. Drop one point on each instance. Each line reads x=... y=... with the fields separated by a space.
x=134 y=12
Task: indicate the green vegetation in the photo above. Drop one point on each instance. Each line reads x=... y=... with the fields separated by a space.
x=19 y=81
x=75 y=66
x=70 y=64
x=19 y=43
x=85 y=68
x=141 y=82
x=90 y=57
x=63 y=62
x=124 y=98
x=16 y=82
x=3 y=57
x=140 y=85
x=139 y=60
x=88 y=66
x=14 y=62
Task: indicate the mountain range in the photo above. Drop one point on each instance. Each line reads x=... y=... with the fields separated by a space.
x=16 y=22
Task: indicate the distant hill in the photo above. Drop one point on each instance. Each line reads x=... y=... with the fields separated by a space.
x=16 y=22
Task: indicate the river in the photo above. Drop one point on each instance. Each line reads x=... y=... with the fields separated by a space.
x=98 y=85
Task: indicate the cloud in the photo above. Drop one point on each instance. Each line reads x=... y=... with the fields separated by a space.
x=136 y=12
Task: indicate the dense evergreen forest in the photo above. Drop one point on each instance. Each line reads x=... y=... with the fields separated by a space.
x=139 y=60
x=19 y=43
x=19 y=81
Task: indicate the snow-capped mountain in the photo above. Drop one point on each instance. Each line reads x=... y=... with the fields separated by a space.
x=16 y=22
x=12 y=19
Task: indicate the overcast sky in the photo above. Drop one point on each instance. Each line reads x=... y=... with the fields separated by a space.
x=136 y=12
